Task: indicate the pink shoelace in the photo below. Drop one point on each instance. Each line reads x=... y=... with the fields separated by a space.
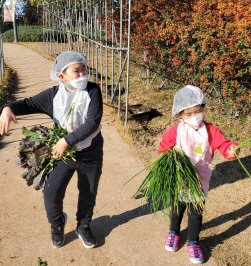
x=172 y=240
x=195 y=251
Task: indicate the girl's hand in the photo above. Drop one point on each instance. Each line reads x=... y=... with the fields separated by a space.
x=6 y=117
x=60 y=147
x=231 y=153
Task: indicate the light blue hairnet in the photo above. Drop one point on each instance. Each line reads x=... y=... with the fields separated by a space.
x=187 y=97
x=64 y=60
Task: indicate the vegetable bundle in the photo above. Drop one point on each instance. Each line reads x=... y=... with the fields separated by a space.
x=35 y=153
x=172 y=178
x=244 y=143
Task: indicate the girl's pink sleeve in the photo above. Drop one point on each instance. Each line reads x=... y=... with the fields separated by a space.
x=218 y=141
x=168 y=139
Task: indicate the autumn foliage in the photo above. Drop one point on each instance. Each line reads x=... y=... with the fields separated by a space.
x=206 y=43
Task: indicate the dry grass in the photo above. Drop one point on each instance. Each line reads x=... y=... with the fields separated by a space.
x=226 y=223
x=7 y=86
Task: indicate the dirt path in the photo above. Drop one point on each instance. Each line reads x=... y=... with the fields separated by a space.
x=126 y=235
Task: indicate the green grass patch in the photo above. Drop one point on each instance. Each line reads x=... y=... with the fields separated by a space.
x=25 y=34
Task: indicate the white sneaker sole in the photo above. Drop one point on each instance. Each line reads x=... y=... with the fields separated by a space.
x=79 y=236
x=197 y=261
x=170 y=249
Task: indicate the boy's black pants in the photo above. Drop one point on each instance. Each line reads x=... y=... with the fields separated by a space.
x=88 y=178
x=194 y=221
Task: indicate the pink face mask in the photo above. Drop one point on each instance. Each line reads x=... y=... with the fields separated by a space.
x=196 y=120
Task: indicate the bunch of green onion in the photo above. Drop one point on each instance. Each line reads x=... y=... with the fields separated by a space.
x=172 y=178
x=242 y=144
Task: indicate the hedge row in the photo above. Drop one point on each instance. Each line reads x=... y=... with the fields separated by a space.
x=35 y=34
x=25 y=34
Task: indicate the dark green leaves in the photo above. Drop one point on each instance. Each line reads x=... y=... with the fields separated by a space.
x=35 y=153
x=28 y=133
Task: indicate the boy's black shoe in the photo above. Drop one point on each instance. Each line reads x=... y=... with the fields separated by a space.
x=85 y=234
x=57 y=235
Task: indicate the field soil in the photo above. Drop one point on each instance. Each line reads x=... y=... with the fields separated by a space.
x=126 y=234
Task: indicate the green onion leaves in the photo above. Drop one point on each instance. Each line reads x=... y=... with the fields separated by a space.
x=242 y=144
x=172 y=178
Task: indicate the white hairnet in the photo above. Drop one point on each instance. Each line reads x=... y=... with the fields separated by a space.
x=187 y=97
x=63 y=61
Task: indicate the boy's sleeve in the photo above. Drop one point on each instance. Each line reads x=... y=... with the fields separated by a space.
x=40 y=103
x=168 y=139
x=218 y=141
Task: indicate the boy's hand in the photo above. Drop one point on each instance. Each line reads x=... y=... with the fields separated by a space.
x=6 y=117
x=231 y=153
x=60 y=147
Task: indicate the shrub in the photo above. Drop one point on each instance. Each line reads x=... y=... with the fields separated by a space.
x=204 y=43
x=25 y=34
x=7 y=86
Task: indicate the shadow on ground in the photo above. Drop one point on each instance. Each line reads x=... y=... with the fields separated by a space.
x=183 y=243
x=244 y=217
x=230 y=172
x=103 y=226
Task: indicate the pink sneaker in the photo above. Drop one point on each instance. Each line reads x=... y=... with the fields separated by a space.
x=195 y=252
x=172 y=241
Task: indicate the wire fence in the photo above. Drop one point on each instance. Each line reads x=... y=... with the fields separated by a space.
x=1 y=59
x=101 y=31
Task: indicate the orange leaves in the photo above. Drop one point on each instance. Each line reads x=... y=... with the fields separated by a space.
x=189 y=70
x=176 y=61
x=208 y=42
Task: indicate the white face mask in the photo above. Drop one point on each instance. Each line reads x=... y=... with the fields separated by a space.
x=195 y=121
x=78 y=83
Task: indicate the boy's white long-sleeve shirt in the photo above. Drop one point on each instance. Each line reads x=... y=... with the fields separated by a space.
x=43 y=103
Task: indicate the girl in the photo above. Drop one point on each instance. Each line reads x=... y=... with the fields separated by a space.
x=76 y=105
x=198 y=139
